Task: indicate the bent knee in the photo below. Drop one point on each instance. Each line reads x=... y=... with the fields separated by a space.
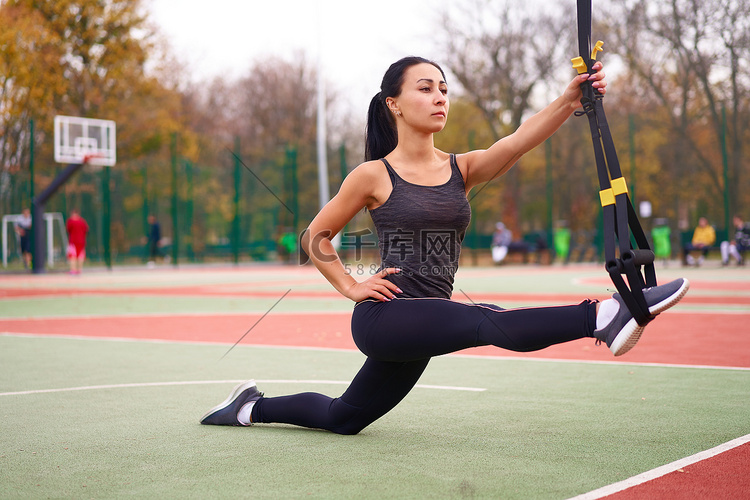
x=348 y=430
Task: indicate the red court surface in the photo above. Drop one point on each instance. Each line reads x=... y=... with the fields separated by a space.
x=724 y=476
x=674 y=338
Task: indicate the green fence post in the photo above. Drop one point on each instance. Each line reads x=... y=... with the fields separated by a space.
x=631 y=130
x=106 y=217
x=342 y=161
x=189 y=209
x=292 y=152
x=31 y=193
x=725 y=162
x=236 y=220
x=473 y=236
x=144 y=211
x=175 y=227
x=31 y=160
x=550 y=192
x=63 y=196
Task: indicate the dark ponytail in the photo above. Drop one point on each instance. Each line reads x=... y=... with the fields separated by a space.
x=381 y=136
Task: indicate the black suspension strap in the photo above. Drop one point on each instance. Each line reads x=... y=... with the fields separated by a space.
x=626 y=249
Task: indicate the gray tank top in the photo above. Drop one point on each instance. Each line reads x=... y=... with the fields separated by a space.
x=420 y=230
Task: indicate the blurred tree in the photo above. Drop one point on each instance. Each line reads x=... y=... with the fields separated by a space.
x=107 y=67
x=701 y=54
x=275 y=109
x=271 y=110
x=29 y=53
x=502 y=53
x=91 y=58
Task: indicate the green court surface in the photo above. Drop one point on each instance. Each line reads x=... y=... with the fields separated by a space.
x=104 y=418
x=535 y=430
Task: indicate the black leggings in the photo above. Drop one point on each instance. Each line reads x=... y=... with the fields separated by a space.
x=399 y=338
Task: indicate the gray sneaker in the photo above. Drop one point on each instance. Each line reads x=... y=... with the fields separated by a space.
x=226 y=412
x=623 y=332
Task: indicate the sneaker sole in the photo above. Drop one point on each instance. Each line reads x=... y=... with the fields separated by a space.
x=235 y=393
x=632 y=331
x=627 y=338
x=671 y=300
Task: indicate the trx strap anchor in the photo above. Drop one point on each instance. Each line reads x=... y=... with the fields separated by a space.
x=620 y=225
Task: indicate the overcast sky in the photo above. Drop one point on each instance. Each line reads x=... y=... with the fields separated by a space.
x=357 y=39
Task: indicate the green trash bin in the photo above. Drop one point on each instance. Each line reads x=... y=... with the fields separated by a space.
x=561 y=241
x=289 y=242
x=662 y=245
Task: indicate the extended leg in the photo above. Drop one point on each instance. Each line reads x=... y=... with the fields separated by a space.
x=410 y=329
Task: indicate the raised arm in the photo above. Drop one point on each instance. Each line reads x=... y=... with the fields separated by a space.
x=484 y=165
x=360 y=189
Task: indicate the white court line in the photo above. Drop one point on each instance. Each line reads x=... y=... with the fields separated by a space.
x=602 y=362
x=662 y=471
x=185 y=314
x=203 y=382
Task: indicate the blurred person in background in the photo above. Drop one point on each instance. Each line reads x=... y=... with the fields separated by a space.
x=23 y=229
x=704 y=237
x=501 y=240
x=738 y=245
x=77 y=229
x=153 y=240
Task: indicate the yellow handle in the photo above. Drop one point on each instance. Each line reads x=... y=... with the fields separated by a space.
x=579 y=65
x=597 y=48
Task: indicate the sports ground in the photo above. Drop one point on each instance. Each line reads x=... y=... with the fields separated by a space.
x=105 y=375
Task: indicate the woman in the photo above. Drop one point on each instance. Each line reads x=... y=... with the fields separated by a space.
x=417 y=196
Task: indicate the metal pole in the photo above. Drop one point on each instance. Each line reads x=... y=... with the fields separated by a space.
x=49 y=223
x=63 y=196
x=323 y=191
x=37 y=214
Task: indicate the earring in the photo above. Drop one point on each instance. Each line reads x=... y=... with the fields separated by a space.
x=398 y=113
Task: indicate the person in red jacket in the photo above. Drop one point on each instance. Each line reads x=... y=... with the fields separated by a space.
x=77 y=231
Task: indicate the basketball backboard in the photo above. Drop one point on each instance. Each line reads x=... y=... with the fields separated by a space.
x=85 y=140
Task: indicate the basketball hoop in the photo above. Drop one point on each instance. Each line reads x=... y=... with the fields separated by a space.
x=91 y=162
